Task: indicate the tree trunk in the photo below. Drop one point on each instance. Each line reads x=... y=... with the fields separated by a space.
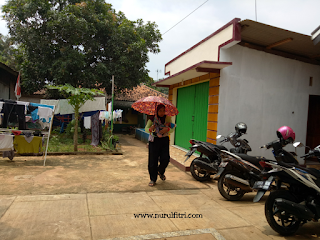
x=75 y=135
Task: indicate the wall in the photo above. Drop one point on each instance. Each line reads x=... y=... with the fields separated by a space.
x=213 y=79
x=207 y=50
x=266 y=92
x=4 y=90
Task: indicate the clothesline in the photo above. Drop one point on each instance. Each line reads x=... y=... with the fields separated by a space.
x=42 y=113
x=23 y=131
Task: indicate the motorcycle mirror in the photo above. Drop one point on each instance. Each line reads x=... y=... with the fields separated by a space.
x=298 y=144
x=219 y=136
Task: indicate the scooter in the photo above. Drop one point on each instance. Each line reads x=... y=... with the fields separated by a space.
x=207 y=164
x=286 y=209
x=239 y=172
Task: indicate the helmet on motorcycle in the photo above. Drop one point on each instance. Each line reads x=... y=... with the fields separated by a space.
x=286 y=133
x=241 y=127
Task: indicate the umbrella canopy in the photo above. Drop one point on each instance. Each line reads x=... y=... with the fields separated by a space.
x=148 y=105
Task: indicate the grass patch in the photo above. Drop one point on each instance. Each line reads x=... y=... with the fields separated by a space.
x=63 y=143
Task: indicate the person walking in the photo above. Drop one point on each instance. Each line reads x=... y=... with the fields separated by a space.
x=159 y=126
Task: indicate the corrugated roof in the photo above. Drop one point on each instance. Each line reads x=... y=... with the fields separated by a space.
x=137 y=93
x=264 y=35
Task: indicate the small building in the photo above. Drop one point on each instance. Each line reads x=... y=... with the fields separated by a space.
x=124 y=100
x=251 y=72
x=8 y=80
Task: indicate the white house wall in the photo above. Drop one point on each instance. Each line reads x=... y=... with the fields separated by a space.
x=207 y=50
x=266 y=92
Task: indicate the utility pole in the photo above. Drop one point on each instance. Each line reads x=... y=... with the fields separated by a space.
x=158 y=71
x=112 y=104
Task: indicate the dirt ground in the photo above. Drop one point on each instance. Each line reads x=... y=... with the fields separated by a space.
x=89 y=173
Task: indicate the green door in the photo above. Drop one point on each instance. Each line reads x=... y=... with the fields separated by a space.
x=185 y=105
x=201 y=111
x=192 y=103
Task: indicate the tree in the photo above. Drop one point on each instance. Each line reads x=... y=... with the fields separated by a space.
x=7 y=51
x=80 y=43
x=76 y=98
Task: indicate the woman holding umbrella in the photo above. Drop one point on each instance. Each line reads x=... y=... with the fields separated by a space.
x=159 y=126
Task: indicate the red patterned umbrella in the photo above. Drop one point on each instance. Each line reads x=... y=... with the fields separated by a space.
x=148 y=105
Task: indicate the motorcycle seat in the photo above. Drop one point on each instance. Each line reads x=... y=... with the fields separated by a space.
x=210 y=145
x=254 y=160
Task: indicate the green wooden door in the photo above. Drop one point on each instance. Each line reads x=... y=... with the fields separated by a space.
x=185 y=105
x=201 y=111
x=192 y=103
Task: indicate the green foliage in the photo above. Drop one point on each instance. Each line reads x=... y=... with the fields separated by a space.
x=76 y=96
x=82 y=43
x=62 y=143
x=7 y=50
x=108 y=141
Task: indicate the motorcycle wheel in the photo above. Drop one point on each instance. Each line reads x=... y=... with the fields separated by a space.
x=199 y=174
x=282 y=222
x=227 y=190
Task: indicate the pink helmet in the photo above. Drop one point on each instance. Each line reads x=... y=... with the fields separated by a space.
x=286 y=133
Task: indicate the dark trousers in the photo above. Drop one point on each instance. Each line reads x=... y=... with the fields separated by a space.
x=158 y=151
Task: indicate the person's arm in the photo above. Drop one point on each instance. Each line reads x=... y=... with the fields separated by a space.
x=149 y=125
x=168 y=119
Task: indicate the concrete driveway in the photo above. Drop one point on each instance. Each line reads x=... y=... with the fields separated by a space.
x=101 y=197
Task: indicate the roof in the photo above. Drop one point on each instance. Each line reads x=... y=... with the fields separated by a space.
x=10 y=71
x=194 y=71
x=275 y=40
x=138 y=92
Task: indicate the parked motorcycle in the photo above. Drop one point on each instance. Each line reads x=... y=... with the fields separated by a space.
x=287 y=208
x=239 y=172
x=207 y=164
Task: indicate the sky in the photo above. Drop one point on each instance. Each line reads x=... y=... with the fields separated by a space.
x=301 y=16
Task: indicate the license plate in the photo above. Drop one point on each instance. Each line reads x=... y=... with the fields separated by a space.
x=258 y=184
x=223 y=164
x=265 y=185
x=190 y=152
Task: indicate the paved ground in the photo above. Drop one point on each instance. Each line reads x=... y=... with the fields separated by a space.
x=96 y=197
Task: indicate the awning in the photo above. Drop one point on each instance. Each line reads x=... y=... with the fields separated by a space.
x=197 y=70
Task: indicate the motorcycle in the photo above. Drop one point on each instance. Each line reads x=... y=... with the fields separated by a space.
x=239 y=172
x=288 y=208
x=207 y=164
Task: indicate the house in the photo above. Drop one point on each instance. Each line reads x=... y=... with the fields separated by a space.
x=8 y=79
x=251 y=72
x=124 y=99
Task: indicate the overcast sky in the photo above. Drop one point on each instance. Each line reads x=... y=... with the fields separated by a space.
x=300 y=16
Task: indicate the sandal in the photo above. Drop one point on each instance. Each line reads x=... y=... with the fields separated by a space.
x=162 y=176
x=152 y=183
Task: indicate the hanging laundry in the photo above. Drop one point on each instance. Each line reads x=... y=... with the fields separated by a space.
x=34 y=114
x=28 y=137
x=28 y=118
x=26 y=104
x=6 y=142
x=95 y=129
x=22 y=146
x=1 y=106
x=8 y=154
x=11 y=111
x=101 y=115
x=87 y=122
x=45 y=114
